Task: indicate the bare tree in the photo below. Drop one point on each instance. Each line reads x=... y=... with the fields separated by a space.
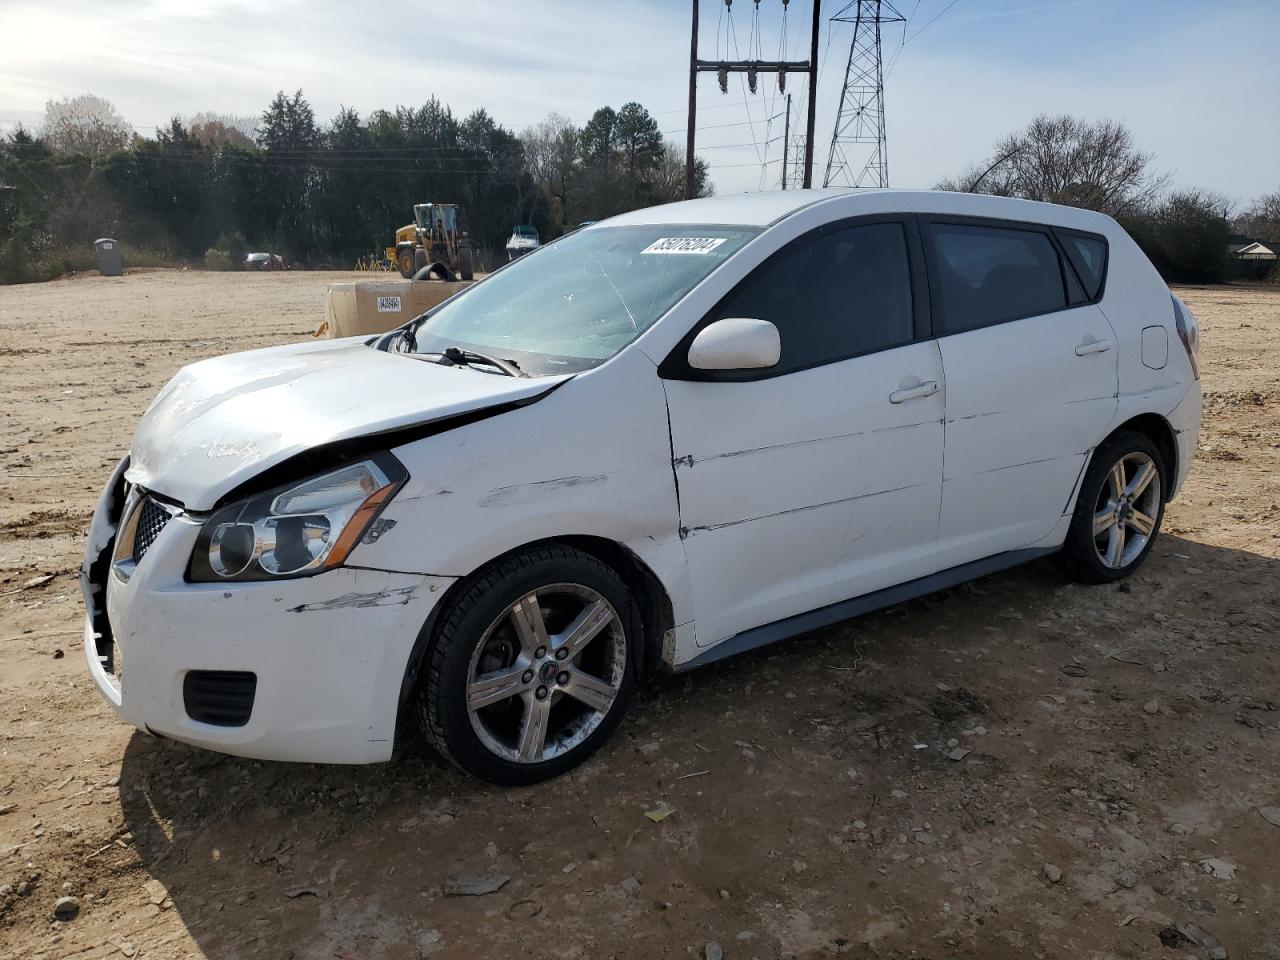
x=1066 y=159
x=666 y=179
x=551 y=154
x=539 y=147
x=85 y=124
x=223 y=129
x=1262 y=220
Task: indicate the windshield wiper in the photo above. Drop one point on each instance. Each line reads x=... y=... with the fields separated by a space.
x=464 y=358
x=406 y=341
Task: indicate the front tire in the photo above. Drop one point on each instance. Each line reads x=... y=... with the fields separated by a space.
x=1118 y=512
x=531 y=667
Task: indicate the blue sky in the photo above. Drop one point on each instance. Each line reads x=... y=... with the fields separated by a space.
x=1196 y=82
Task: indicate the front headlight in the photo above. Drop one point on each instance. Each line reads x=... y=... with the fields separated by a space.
x=296 y=530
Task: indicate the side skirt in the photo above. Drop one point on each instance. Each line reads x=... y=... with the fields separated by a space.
x=846 y=609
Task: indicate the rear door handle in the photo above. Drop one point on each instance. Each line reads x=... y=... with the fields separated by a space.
x=1093 y=346
x=926 y=389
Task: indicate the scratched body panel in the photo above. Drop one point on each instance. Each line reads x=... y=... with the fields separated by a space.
x=594 y=460
x=326 y=651
x=1023 y=412
x=783 y=484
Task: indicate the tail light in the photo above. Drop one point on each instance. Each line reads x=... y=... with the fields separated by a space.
x=1188 y=333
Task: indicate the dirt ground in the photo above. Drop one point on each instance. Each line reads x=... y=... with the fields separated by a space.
x=1123 y=741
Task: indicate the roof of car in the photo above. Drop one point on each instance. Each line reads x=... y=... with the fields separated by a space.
x=765 y=208
x=748 y=209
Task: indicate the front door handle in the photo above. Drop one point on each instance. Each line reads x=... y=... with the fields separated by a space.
x=926 y=389
x=1093 y=346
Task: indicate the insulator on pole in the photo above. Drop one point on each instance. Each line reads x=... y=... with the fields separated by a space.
x=723 y=76
x=751 y=79
x=782 y=80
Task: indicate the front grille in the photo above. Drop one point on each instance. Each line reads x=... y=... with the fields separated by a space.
x=151 y=520
x=223 y=698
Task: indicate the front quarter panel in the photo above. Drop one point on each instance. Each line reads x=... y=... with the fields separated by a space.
x=593 y=458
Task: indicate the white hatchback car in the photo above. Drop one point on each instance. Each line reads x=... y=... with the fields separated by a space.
x=667 y=438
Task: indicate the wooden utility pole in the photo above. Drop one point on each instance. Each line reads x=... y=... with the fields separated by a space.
x=813 y=95
x=753 y=67
x=693 y=105
x=786 y=141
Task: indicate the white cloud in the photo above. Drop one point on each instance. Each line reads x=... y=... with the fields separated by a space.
x=1205 y=108
x=160 y=58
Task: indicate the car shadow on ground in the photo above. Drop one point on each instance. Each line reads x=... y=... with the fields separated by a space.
x=783 y=765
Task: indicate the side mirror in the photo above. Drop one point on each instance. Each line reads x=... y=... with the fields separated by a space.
x=736 y=343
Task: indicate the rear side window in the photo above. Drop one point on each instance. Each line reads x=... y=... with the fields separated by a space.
x=832 y=296
x=985 y=275
x=1089 y=257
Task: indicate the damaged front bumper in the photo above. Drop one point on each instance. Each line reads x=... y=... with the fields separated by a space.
x=307 y=669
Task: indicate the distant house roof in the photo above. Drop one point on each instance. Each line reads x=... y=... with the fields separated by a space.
x=1259 y=251
x=1237 y=242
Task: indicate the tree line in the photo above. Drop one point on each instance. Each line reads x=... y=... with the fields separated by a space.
x=211 y=187
x=1097 y=165
x=208 y=188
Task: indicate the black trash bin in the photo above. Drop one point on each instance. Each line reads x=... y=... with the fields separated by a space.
x=110 y=260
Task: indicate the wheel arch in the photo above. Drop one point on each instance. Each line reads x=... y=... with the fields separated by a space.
x=653 y=603
x=1157 y=429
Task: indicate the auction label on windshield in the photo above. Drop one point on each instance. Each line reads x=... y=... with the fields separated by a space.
x=683 y=245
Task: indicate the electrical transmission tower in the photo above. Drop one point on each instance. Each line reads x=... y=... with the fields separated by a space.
x=793 y=178
x=859 y=156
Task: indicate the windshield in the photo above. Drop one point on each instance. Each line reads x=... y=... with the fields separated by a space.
x=523 y=231
x=574 y=303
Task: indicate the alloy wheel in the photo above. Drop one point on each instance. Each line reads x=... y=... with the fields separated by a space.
x=546 y=672
x=1128 y=508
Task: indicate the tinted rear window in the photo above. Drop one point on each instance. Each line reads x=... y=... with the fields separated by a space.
x=1089 y=256
x=987 y=275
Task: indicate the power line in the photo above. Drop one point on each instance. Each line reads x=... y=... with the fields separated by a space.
x=727 y=41
x=907 y=39
x=903 y=41
x=931 y=22
x=729 y=166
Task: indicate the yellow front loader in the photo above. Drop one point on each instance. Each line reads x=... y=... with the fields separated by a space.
x=434 y=245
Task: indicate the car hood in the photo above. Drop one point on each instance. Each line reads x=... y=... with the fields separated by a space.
x=222 y=421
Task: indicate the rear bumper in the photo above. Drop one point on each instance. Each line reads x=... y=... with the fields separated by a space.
x=329 y=653
x=1185 y=420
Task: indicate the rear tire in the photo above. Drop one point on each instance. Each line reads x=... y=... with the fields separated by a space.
x=466 y=264
x=405 y=262
x=1119 y=510
x=531 y=667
